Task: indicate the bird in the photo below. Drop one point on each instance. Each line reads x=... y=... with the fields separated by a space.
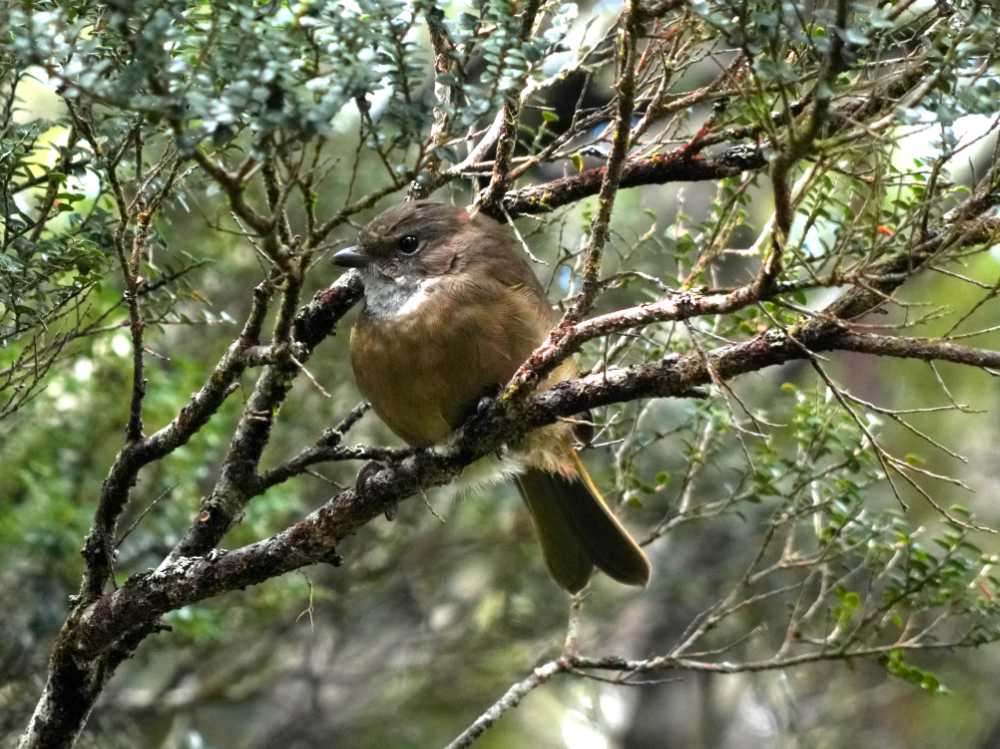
x=451 y=309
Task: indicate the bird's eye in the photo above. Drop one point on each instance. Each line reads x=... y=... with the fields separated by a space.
x=409 y=244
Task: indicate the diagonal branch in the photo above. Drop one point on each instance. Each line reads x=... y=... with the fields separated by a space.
x=238 y=481
x=510 y=699
x=185 y=580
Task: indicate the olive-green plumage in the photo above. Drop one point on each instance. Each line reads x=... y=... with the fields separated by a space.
x=451 y=310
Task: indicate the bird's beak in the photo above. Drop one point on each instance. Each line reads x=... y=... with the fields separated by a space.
x=351 y=257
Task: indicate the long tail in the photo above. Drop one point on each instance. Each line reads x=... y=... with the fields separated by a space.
x=577 y=530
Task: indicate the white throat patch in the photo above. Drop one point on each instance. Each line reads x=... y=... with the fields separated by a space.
x=390 y=297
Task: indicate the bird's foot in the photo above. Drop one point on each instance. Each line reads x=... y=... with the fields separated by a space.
x=366 y=490
x=486 y=400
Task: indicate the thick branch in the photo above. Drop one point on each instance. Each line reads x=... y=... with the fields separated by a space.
x=186 y=580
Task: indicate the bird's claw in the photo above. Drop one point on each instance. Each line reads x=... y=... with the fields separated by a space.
x=363 y=485
x=487 y=399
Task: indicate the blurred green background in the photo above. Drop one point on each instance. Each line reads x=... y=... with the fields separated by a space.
x=427 y=623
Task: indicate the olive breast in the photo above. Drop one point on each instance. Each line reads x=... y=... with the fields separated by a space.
x=424 y=371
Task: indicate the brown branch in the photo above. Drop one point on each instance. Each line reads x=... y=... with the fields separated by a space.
x=130 y=271
x=800 y=144
x=98 y=545
x=675 y=307
x=668 y=663
x=234 y=185
x=185 y=580
x=74 y=681
x=238 y=481
x=656 y=170
x=98 y=549
x=689 y=166
x=48 y=201
x=920 y=348
x=361 y=204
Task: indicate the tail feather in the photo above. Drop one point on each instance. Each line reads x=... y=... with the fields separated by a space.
x=577 y=530
x=568 y=561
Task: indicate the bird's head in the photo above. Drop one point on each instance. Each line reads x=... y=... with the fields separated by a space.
x=409 y=242
x=403 y=252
